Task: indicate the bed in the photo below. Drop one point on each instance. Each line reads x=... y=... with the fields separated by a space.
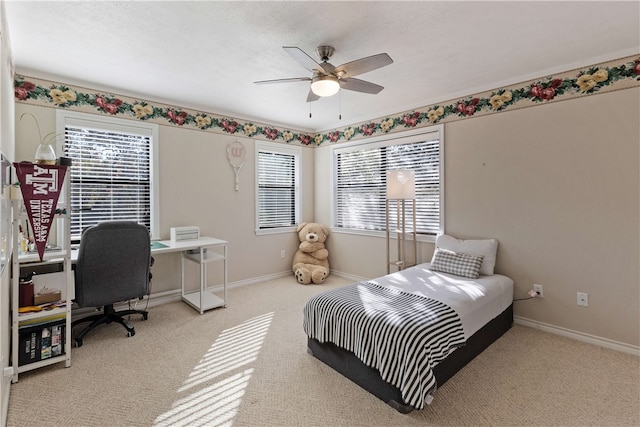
x=403 y=335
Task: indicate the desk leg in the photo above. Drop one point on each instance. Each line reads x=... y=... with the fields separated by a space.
x=182 y=274
x=225 y=276
x=203 y=279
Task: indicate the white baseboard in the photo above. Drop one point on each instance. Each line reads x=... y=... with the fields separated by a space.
x=261 y=279
x=580 y=336
x=164 y=297
x=253 y=280
x=348 y=276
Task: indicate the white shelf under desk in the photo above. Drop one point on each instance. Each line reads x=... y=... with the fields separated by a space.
x=201 y=251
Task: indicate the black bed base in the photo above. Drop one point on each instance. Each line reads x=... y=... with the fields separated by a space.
x=368 y=378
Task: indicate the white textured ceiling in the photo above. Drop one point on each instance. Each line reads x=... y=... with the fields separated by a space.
x=206 y=55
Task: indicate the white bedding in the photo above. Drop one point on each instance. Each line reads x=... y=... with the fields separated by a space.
x=477 y=301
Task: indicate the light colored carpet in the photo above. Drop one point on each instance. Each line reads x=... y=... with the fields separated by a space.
x=247 y=365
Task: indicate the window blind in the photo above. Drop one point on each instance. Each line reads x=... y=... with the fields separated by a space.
x=276 y=189
x=110 y=177
x=360 y=194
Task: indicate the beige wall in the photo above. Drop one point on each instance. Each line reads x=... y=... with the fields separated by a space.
x=558 y=185
x=197 y=188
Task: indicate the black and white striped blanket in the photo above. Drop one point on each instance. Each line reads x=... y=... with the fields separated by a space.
x=402 y=335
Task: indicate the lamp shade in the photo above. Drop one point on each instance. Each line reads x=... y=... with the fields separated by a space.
x=401 y=184
x=325 y=85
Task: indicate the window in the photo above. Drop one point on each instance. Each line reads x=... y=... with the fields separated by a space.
x=113 y=171
x=360 y=181
x=277 y=183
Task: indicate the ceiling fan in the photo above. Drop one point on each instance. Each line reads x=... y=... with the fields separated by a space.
x=327 y=80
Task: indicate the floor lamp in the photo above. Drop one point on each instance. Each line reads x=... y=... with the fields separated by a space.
x=401 y=188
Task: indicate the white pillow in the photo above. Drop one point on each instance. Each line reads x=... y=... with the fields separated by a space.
x=485 y=247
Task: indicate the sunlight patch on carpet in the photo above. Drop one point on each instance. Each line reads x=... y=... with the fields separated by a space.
x=214 y=389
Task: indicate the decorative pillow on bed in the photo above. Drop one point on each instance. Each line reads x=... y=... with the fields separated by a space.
x=485 y=247
x=457 y=263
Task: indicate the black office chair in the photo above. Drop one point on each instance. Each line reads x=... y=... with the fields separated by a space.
x=113 y=266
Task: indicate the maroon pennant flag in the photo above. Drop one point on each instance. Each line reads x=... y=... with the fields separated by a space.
x=40 y=185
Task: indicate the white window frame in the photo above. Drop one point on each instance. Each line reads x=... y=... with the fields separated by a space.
x=73 y=118
x=409 y=136
x=296 y=152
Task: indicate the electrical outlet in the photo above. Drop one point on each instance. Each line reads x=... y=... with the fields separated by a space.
x=538 y=289
x=583 y=299
x=282 y=253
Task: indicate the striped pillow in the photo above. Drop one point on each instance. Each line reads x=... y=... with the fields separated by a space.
x=456 y=263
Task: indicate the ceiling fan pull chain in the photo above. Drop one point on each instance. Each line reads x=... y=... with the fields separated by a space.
x=309 y=110
x=340 y=106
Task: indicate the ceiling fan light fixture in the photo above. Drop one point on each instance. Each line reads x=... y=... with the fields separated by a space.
x=325 y=85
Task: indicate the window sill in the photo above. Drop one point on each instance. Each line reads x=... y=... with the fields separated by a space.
x=279 y=230
x=420 y=237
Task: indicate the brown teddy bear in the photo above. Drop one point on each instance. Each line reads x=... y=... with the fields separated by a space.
x=311 y=261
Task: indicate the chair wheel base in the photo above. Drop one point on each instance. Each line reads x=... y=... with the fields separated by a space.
x=108 y=316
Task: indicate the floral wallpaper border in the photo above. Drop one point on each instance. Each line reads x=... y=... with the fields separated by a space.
x=613 y=75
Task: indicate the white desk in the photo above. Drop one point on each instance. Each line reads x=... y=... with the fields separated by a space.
x=202 y=299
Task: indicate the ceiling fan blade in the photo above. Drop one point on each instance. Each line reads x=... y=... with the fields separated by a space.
x=327 y=68
x=363 y=65
x=303 y=59
x=312 y=96
x=291 y=80
x=360 y=86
